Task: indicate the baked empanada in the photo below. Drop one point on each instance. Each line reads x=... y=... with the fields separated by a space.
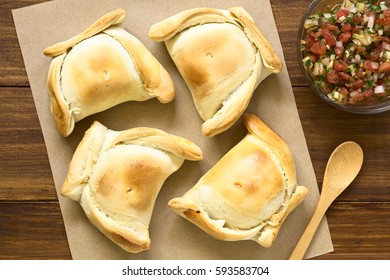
x=100 y=68
x=249 y=192
x=116 y=177
x=222 y=56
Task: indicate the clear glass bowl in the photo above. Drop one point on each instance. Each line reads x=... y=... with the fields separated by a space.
x=319 y=5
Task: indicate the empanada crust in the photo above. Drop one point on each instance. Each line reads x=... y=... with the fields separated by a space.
x=116 y=177
x=101 y=68
x=222 y=56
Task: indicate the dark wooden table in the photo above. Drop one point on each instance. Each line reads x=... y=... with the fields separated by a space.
x=31 y=225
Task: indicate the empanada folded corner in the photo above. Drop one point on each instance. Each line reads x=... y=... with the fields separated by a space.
x=249 y=192
x=222 y=56
x=100 y=68
x=117 y=175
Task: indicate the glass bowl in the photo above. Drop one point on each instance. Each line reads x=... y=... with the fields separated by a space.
x=320 y=5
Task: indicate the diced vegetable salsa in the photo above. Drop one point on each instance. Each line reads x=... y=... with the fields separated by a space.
x=346 y=50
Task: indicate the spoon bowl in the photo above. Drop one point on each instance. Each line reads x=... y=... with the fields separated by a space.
x=342 y=168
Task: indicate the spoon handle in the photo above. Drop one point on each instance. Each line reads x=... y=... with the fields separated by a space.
x=310 y=230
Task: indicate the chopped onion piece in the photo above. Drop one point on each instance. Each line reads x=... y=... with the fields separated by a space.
x=379 y=89
x=375 y=76
x=374 y=65
x=371 y=21
x=342 y=18
x=327 y=15
x=357 y=59
x=353 y=93
x=326 y=61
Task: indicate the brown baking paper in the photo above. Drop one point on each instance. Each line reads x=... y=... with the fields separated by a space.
x=173 y=237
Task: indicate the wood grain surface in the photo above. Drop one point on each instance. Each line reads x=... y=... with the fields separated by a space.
x=31 y=225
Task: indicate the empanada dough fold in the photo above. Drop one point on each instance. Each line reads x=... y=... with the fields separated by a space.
x=168 y=28
x=117 y=175
x=100 y=68
x=249 y=192
x=132 y=239
x=271 y=60
x=234 y=106
x=112 y=18
x=264 y=234
x=156 y=80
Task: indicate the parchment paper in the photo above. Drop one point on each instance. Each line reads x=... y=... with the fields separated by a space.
x=173 y=237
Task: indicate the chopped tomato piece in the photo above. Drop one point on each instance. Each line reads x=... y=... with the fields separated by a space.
x=316 y=35
x=385 y=19
x=342 y=13
x=372 y=57
x=361 y=49
x=361 y=73
x=384 y=67
x=340 y=65
x=329 y=37
x=344 y=91
x=319 y=48
x=332 y=77
x=309 y=41
x=344 y=76
x=346 y=27
x=313 y=57
x=371 y=66
x=344 y=37
x=356 y=84
x=357 y=19
x=332 y=28
x=368 y=96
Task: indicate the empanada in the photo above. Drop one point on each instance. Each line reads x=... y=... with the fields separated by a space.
x=222 y=56
x=249 y=192
x=100 y=68
x=116 y=177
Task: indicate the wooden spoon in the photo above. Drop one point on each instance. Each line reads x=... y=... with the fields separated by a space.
x=343 y=166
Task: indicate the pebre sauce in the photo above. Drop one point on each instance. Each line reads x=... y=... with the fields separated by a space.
x=346 y=51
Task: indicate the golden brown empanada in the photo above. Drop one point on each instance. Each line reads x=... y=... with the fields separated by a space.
x=249 y=192
x=100 y=68
x=116 y=177
x=222 y=56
